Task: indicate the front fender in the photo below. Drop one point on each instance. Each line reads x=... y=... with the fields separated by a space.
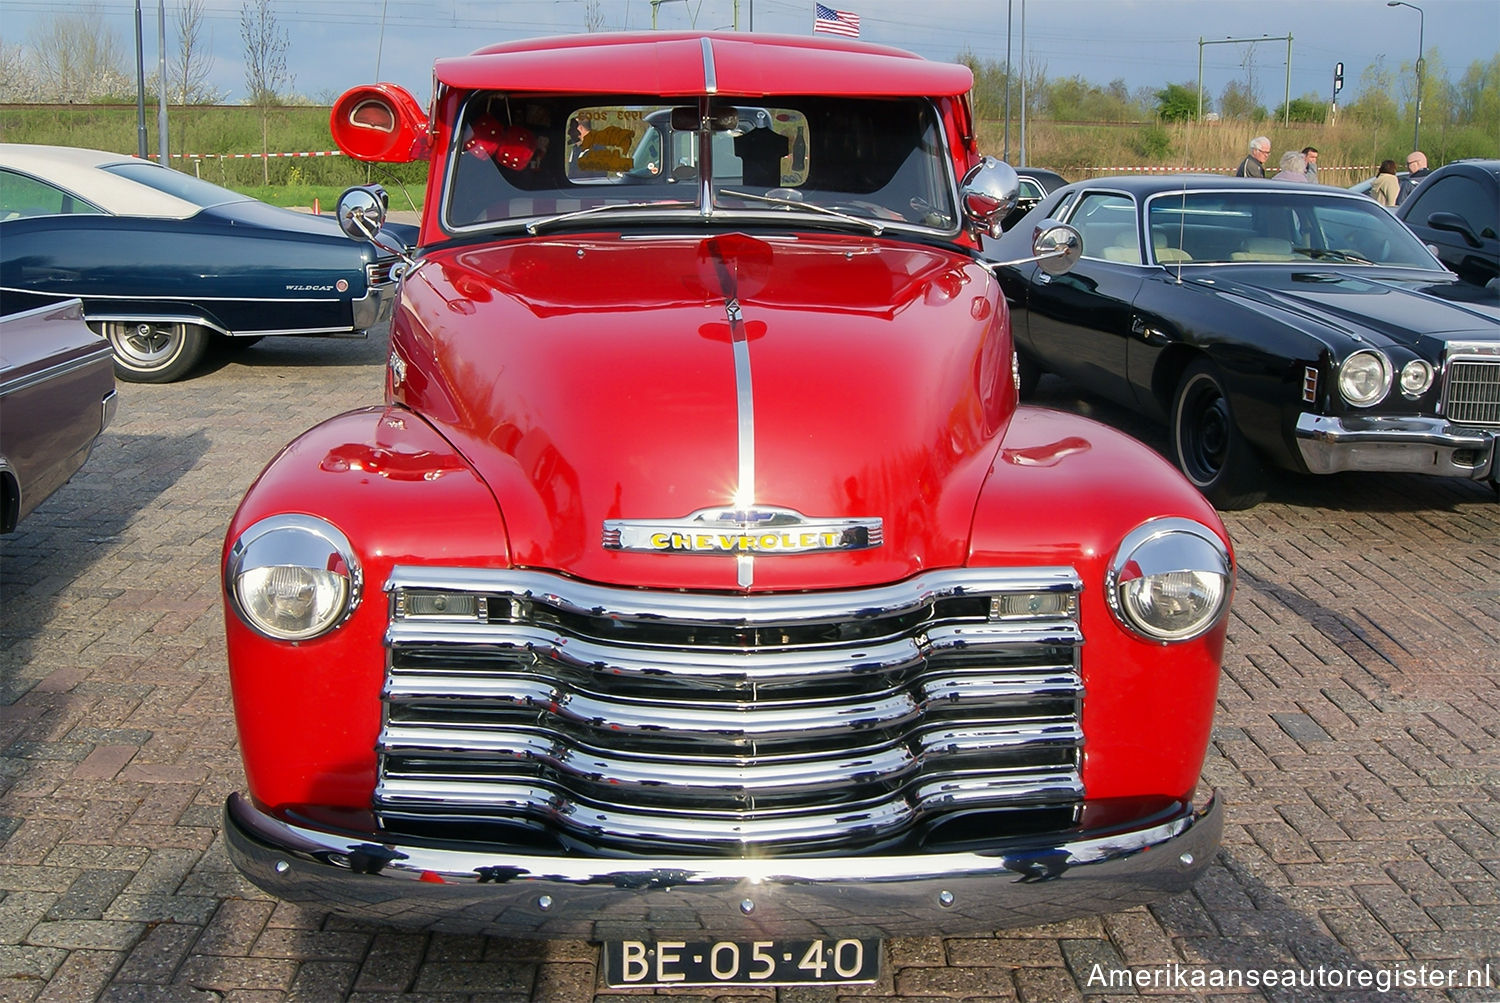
x=1066 y=490
x=309 y=712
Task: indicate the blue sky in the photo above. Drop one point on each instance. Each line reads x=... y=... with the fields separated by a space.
x=335 y=44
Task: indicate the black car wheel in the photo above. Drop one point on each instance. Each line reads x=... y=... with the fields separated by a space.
x=155 y=351
x=1207 y=444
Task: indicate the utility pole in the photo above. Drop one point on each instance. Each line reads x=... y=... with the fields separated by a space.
x=1416 y=130
x=161 y=81
x=1022 y=154
x=1008 y=71
x=140 y=87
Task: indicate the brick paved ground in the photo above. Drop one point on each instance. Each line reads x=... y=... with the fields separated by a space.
x=1357 y=748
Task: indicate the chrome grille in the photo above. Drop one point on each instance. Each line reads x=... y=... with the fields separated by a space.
x=521 y=705
x=378 y=272
x=1474 y=391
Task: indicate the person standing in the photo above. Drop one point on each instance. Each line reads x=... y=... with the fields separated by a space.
x=1310 y=153
x=1416 y=164
x=1293 y=167
x=1385 y=188
x=1254 y=165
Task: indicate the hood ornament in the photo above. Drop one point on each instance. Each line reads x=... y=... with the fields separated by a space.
x=742 y=532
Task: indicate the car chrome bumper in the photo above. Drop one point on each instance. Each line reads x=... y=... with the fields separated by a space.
x=1412 y=445
x=375 y=306
x=596 y=898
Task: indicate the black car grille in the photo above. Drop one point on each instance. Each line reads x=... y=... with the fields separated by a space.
x=1474 y=391
x=525 y=707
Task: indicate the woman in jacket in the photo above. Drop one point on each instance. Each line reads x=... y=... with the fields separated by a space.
x=1385 y=186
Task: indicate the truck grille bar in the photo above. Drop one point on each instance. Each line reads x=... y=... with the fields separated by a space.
x=522 y=705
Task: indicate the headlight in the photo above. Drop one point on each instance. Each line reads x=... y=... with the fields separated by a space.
x=1170 y=580
x=1416 y=377
x=1364 y=378
x=292 y=577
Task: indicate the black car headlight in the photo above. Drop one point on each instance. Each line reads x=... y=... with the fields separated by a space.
x=292 y=577
x=1170 y=580
x=1365 y=378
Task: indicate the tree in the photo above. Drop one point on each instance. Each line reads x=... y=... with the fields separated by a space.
x=1238 y=101
x=1374 y=109
x=1307 y=108
x=1478 y=92
x=77 y=60
x=188 y=76
x=1073 y=99
x=18 y=76
x=266 y=43
x=593 y=16
x=1178 y=103
x=990 y=81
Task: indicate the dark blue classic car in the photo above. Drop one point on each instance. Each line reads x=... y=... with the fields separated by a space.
x=165 y=262
x=1292 y=324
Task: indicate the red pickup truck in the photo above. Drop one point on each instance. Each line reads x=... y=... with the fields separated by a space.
x=700 y=588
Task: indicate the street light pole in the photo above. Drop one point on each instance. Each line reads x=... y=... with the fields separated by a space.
x=1416 y=131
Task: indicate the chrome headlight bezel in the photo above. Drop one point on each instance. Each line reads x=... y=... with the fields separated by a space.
x=311 y=553
x=1166 y=555
x=1417 y=377
x=1364 y=378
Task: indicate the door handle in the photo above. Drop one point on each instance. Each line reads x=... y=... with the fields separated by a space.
x=1148 y=334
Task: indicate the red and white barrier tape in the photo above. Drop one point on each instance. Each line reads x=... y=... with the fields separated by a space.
x=1204 y=170
x=251 y=156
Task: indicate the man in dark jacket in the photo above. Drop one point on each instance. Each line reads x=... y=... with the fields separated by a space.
x=1416 y=163
x=1254 y=165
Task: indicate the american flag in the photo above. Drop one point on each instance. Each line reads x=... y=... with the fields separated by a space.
x=835 y=22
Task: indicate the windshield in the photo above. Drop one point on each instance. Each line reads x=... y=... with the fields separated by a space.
x=184 y=186
x=1297 y=225
x=842 y=161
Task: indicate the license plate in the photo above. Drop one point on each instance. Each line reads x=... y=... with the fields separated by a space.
x=664 y=963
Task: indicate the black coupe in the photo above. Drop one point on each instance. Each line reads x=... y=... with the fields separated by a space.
x=1295 y=324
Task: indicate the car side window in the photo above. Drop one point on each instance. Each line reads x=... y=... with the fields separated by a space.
x=22 y=195
x=1108 y=226
x=1464 y=197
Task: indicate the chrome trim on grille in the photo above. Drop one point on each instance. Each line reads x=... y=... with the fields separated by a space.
x=714 y=722
x=1472 y=393
x=379 y=271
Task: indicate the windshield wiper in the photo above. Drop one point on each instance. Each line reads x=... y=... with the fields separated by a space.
x=563 y=217
x=1324 y=252
x=875 y=227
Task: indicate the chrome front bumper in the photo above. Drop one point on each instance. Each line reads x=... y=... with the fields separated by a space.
x=375 y=306
x=1412 y=445
x=595 y=898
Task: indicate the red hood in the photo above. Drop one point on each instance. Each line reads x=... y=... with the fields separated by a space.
x=593 y=379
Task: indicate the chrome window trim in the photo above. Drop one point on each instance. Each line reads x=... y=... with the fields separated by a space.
x=704 y=211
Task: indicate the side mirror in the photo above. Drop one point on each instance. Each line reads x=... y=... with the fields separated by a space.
x=988 y=193
x=361 y=211
x=1454 y=223
x=1055 y=247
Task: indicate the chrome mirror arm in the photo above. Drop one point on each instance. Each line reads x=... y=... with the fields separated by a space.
x=1055 y=246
